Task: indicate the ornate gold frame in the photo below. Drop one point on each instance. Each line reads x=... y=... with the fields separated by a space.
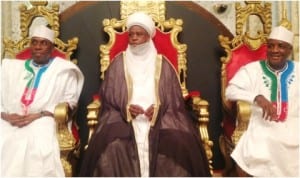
x=263 y=11
x=156 y=9
x=27 y=15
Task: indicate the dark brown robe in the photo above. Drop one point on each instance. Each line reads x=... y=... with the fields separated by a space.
x=175 y=147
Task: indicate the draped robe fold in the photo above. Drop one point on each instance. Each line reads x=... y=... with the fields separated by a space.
x=33 y=150
x=175 y=147
x=268 y=148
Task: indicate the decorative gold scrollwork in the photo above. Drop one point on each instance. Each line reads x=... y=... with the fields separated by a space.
x=27 y=16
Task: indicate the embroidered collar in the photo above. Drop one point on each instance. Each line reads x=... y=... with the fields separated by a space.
x=41 y=65
x=275 y=70
x=278 y=85
x=32 y=84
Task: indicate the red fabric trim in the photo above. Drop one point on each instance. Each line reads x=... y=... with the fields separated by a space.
x=191 y=94
x=96 y=97
x=75 y=132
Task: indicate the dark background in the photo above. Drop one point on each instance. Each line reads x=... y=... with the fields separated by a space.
x=200 y=33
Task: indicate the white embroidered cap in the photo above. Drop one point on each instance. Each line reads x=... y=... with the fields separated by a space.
x=43 y=32
x=282 y=34
x=143 y=20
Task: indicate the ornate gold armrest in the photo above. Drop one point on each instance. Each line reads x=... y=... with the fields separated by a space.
x=92 y=117
x=243 y=115
x=66 y=141
x=200 y=107
x=65 y=137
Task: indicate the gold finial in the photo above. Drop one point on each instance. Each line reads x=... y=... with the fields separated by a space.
x=284 y=21
x=39 y=3
x=252 y=2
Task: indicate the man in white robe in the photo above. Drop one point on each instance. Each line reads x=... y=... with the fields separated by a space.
x=30 y=90
x=270 y=145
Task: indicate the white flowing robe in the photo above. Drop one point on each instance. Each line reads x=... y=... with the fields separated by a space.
x=33 y=150
x=267 y=148
x=141 y=69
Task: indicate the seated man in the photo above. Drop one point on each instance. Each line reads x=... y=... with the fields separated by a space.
x=270 y=145
x=144 y=129
x=29 y=93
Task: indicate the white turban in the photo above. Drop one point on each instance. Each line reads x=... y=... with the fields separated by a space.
x=282 y=34
x=43 y=32
x=143 y=20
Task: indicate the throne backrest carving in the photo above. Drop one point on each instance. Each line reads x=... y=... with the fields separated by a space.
x=165 y=40
x=245 y=47
x=20 y=49
x=166 y=43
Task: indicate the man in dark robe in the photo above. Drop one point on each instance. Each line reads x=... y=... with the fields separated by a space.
x=144 y=128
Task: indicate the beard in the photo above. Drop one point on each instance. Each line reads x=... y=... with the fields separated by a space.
x=139 y=49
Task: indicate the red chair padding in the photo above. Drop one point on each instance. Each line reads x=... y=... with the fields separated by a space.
x=26 y=54
x=120 y=44
x=162 y=42
x=164 y=46
x=242 y=56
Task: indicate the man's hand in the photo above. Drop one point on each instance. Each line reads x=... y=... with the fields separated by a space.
x=13 y=119
x=269 y=111
x=135 y=110
x=149 y=112
x=20 y=120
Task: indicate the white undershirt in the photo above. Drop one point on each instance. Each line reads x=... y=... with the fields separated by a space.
x=141 y=68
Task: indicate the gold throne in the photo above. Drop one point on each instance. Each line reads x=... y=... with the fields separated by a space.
x=68 y=141
x=248 y=45
x=166 y=35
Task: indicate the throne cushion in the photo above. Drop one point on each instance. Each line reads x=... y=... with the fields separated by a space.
x=242 y=56
x=162 y=42
x=26 y=54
